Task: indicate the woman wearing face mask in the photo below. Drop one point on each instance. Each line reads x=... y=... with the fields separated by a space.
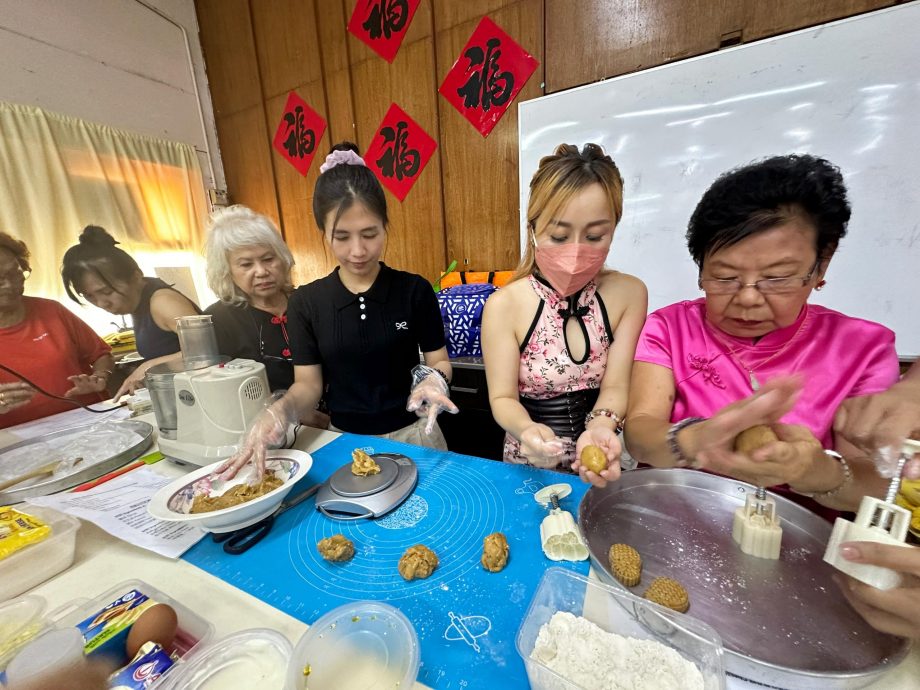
x=109 y=278
x=359 y=330
x=559 y=340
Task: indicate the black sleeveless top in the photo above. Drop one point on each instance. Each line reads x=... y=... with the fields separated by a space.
x=153 y=341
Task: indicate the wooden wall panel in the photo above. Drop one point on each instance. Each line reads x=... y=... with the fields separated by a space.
x=779 y=16
x=295 y=194
x=331 y=20
x=230 y=55
x=595 y=39
x=287 y=44
x=244 y=148
x=416 y=239
x=481 y=174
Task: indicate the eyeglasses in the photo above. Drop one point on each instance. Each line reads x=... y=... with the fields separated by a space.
x=271 y=358
x=765 y=286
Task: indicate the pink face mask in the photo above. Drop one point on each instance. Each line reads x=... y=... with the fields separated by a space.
x=569 y=267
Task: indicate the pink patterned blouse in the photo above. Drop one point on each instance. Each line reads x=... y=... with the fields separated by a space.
x=838 y=356
x=546 y=369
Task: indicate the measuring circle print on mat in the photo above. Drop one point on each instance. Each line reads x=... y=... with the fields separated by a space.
x=450 y=511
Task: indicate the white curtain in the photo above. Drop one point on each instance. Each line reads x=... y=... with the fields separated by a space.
x=59 y=174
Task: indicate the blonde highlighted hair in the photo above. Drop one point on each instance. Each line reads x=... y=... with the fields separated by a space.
x=560 y=177
x=233 y=228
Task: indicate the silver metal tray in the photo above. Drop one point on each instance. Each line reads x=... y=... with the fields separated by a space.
x=52 y=485
x=784 y=623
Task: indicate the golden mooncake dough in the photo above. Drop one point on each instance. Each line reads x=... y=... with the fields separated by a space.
x=625 y=564
x=593 y=458
x=756 y=437
x=494 y=552
x=362 y=464
x=668 y=592
x=241 y=493
x=418 y=562
x=336 y=548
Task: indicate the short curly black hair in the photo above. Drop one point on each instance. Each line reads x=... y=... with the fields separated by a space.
x=767 y=193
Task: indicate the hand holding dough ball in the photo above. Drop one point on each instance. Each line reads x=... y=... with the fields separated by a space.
x=363 y=464
x=756 y=437
x=594 y=459
x=418 y=562
x=494 y=552
x=668 y=592
x=336 y=548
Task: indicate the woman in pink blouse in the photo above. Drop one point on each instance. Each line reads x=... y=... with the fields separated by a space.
x=753 y=350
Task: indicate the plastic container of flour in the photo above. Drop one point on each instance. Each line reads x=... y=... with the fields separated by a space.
x=619 y=612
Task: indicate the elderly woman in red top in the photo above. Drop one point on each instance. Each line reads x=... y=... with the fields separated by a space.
x=44 y=342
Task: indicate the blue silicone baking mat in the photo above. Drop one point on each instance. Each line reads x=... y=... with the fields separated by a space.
x=466 y=618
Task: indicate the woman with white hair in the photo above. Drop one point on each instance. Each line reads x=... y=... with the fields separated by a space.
x=249 y=269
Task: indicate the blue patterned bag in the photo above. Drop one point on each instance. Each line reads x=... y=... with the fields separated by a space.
x=461 y=312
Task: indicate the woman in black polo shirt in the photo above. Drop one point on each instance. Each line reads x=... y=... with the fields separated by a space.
x=358 y=331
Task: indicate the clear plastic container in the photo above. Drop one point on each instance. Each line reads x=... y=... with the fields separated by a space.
x=253 y=659
x=618 y=612
x=364 y=645
x=198 y=341
x=21 y=621
x=36 y=563
x=193 y=630
x=55 y=652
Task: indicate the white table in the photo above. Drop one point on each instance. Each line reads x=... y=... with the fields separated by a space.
x=102 y=561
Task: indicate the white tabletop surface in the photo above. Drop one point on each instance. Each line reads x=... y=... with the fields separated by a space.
x=102 y=561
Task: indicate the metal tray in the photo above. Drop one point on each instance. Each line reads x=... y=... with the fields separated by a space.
x=784 y=623
x=52 y=485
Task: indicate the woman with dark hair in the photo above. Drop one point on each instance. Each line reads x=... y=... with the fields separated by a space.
x=46 y=343
x=358 y=332
x=559 y=340
x=763 y=237
x=109 y=278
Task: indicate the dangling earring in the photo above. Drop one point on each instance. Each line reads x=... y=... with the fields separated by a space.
x=820 y=285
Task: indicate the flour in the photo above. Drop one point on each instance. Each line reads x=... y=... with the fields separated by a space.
x=594 y=659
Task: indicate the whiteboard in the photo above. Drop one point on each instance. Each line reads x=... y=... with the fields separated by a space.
x=848 y=91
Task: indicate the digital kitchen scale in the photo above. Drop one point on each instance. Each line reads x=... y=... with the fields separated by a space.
x=348 y=497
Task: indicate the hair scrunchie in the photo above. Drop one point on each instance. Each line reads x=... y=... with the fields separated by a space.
x=335 y=158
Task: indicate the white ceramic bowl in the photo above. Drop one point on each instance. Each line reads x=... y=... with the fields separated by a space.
x=162 y=506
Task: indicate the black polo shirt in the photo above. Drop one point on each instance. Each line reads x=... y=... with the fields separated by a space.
x=367 y=344
x=250 y=333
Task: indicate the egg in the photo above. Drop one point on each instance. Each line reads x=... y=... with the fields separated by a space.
x=157 y=624
x=594 y=459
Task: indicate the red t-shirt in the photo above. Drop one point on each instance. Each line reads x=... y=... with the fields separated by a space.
x=47 y=346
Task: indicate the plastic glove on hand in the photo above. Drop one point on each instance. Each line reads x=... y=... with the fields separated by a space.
x=541 y=446
x=269 y=430
x=429 y=396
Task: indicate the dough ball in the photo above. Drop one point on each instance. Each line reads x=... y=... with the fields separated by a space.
x=668 y=592
x=625 y=564
x=418 y=562
x=362 y=464
x=594 y=459
x=756 y=437
x=336 y=548
x=494 y=552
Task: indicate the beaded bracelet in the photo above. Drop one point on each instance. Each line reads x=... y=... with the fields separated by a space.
x=680 y=458
x=604 y=412
x=847 y=477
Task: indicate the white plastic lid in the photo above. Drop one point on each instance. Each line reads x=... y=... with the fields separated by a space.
x=21 y=620
x=58 y=651
x=255 y=659
x=364 y=645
